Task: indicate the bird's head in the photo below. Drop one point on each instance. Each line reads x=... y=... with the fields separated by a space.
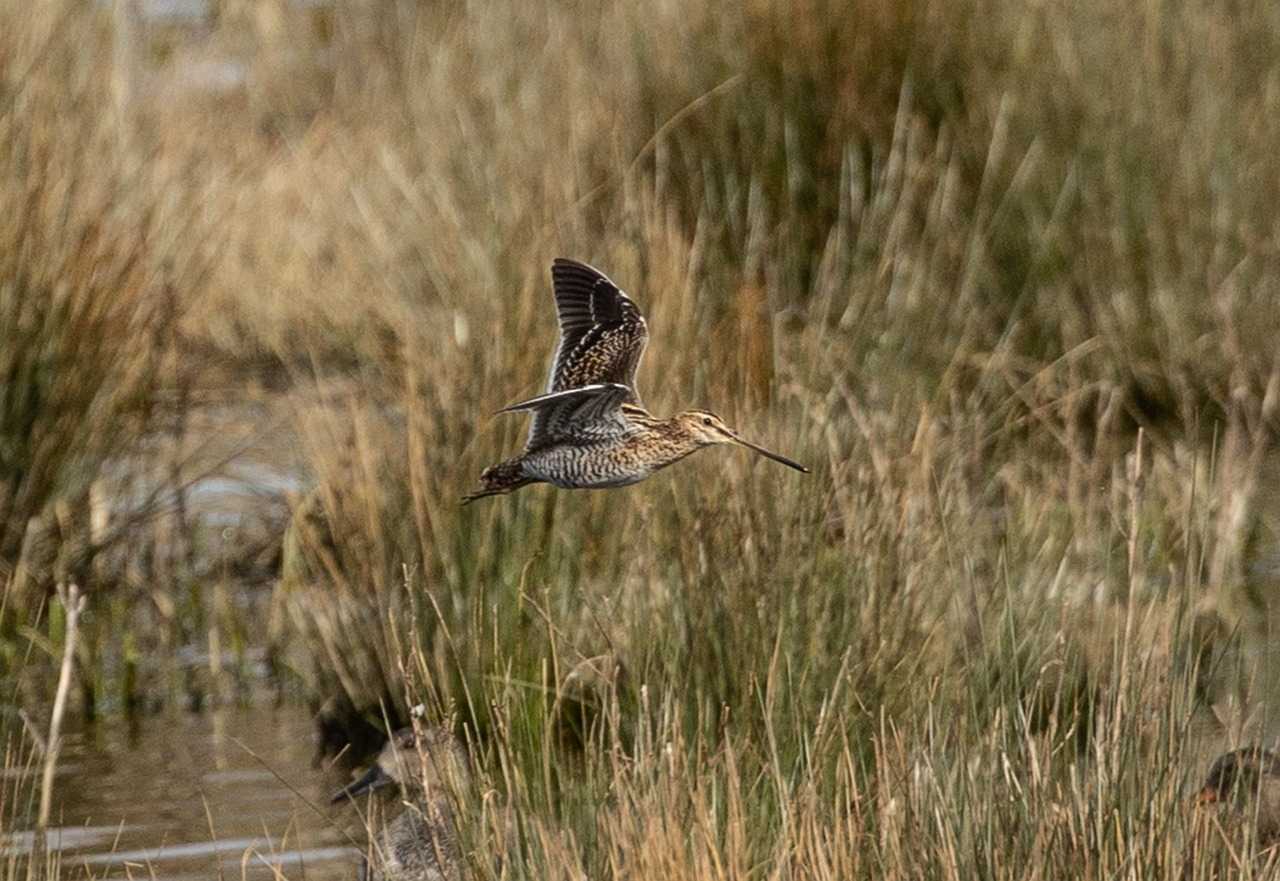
x=707 y=428
x=429 y=760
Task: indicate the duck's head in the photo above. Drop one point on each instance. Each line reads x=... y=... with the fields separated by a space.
x=1236 y=776
x=424 y=760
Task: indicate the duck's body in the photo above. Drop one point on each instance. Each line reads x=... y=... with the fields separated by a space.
x=418 y=845
x=589 y=430
x=421 y=843
x=1248 y=779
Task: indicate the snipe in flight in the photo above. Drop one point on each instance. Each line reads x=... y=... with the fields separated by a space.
x=590 y=430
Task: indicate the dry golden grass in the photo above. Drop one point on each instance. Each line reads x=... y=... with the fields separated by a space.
x=1002 y=273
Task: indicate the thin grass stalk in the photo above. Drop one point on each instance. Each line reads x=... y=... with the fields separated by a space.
x=73 y=602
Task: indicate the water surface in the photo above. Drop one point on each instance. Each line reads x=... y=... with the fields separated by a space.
x=229 y=793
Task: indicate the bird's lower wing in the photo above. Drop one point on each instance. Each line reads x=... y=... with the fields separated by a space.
x=589 y=412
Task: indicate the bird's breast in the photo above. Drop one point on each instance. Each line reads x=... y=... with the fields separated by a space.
x=587 y=466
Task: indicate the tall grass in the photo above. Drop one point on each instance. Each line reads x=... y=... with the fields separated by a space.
x=74 y=290
x=98 y=264
x=1001 y=273
x=964 y=351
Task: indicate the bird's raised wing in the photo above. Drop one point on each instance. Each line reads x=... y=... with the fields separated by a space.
x=602 y=333
x=590 y=412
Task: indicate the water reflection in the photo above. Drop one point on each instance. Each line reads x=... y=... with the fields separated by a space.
x=230 y=793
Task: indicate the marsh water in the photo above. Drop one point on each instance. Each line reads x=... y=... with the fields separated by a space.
x=229 y=793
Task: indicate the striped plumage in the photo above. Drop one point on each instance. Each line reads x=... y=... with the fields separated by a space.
x=589 y=431
x=602 y=333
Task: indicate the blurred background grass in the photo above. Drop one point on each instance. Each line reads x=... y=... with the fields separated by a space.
x=1003 y=273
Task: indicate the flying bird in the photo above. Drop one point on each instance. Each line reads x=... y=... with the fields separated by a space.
x=590 y=430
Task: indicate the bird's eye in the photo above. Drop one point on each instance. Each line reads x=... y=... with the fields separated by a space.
x=706 y=420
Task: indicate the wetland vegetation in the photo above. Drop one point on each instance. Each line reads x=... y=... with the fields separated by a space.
x=1003 y=274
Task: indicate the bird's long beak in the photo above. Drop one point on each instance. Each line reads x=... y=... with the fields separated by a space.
x=375 y=778
x=769 y=454
x=1206 y=796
